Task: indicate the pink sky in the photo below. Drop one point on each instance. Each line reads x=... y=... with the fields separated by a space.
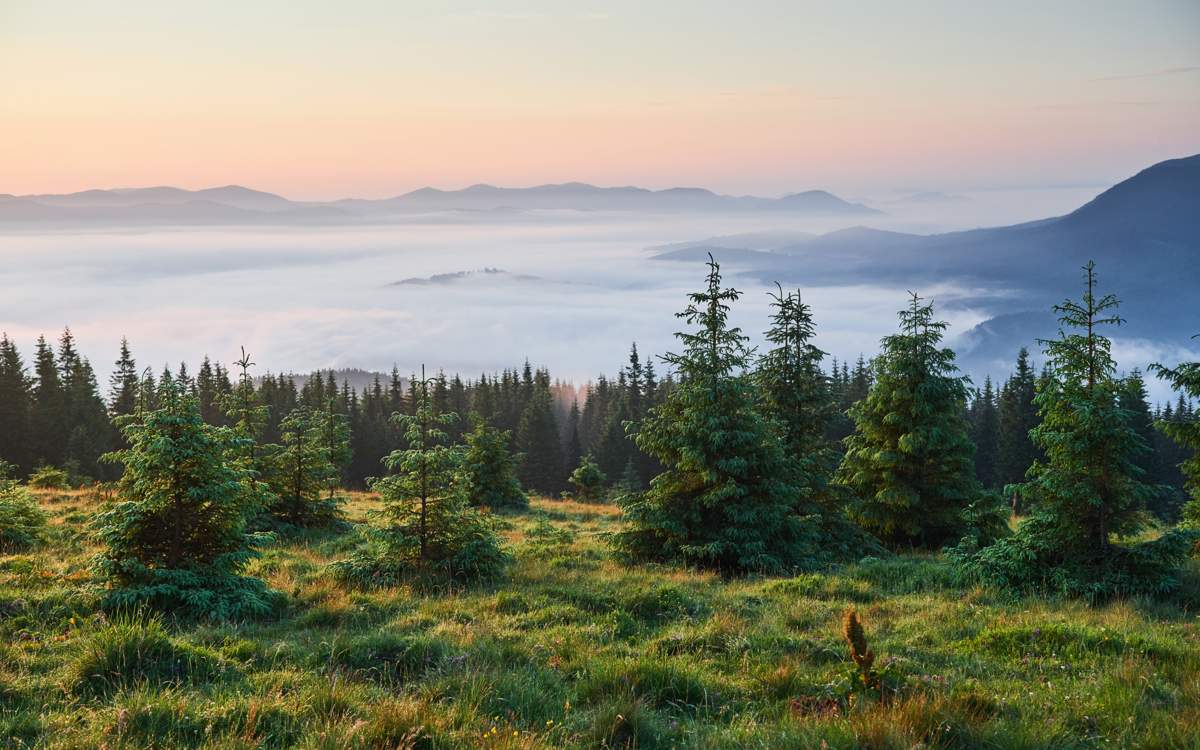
x=373 y=100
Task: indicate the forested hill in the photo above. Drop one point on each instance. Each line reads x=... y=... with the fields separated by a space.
x=1143 y=233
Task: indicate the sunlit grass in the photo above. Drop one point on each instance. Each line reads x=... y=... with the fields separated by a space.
x=577 y=649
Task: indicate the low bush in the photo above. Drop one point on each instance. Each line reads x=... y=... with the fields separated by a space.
x=49 y=478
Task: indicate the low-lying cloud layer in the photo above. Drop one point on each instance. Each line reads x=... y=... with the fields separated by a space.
x=570 y=296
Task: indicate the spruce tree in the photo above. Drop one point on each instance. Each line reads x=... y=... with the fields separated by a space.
x=588 y=480
x=303 y=473
x=334 y=427
x=1018 y=416
x=429 y=528
x=1185 y=431
x=794 y=391
x=573 y=451
x=488 y=474
x=90 y=433
x=984 y=419
x=724 y=499
x=123 y=384
x=1163 y=501
x=910 y=461
x=1087 y=493
x=16 y=403
x=176 y=539
x=541 y=468
x=48 y=416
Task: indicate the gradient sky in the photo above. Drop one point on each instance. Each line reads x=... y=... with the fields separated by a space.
x=319 y=100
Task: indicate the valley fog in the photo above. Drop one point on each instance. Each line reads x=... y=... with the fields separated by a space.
x=568 y=290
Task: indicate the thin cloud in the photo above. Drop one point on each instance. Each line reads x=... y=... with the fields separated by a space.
x=1151 y=74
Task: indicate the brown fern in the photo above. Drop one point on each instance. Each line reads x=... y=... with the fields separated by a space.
x=860 y=652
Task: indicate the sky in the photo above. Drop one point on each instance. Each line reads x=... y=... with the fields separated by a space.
x=319 y=100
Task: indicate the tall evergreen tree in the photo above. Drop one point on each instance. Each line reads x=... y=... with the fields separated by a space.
x=16 y=404
x=910 y=460
x=1087 y=492
x=1185 y=431
x=1018 y=415
x=724 y=499
x=573 y=450
x=541 y=468
x=984 y=419
x=123 y=384
x=48 y=417
x=91 y=432
x=794 y=391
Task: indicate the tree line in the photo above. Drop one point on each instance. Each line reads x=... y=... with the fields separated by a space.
x=54 y=414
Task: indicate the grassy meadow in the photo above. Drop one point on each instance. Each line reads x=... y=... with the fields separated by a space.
x=579 y=650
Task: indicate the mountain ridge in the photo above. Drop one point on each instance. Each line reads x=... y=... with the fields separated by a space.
x=164 y=203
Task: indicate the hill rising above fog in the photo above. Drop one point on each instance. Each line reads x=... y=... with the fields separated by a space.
x=1143 y=233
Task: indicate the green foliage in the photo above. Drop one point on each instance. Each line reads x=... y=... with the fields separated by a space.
x=1017 y=415
x=305 y=474
x=1087 y=492
x=541 y=468
x=588 y=480
x=488 y=471
x=983 y=416
x=430 y=529
x=22 y=521
x=795 y=393
x=909 y=460
x=176 y=537
x=724 y=499
x=1185 y=378
x=49 y=478
x=137 y=652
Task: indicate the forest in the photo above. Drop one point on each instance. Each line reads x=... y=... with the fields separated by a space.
x=720 y=546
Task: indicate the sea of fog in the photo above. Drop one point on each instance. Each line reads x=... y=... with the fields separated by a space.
x=568 y=291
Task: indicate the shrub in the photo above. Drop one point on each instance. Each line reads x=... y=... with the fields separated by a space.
x=130 y=652
x=49 y=478
x=22 y=521
x=588 y=480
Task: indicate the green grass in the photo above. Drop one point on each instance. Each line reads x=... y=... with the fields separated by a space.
x=577 y=650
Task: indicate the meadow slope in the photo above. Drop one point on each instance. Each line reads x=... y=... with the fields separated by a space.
x=578 y=650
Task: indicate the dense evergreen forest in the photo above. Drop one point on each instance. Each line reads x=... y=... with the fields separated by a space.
x=54 y=413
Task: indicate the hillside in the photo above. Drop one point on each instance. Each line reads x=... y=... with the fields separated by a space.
x=576 y=650
x=1143 y=233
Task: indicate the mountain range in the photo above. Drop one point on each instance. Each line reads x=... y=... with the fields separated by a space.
x=1143 y=233
x=238 y=205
